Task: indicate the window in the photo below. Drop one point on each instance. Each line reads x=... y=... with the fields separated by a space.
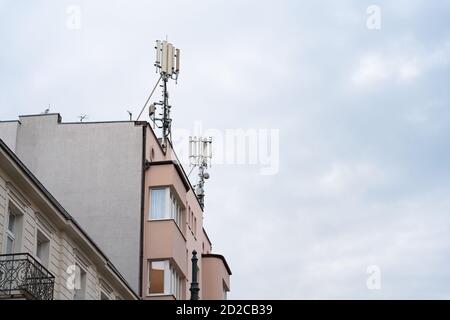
x=175 y=210
x=13 y=230
x=189 y=216
x=163 y=279
x=42 y=248
x=104 y=296
x=165 y=205
x=11 y=222
x=156 y=277
x=80 y=283
x=195 y=227
x=158 y=204
x=175 y=283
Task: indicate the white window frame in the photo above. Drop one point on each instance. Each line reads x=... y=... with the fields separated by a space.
x=14 y=235
x=188 y=217
x=79 y=280
x=195 y=227
x=149 y=270
x=172 y=280
x=157 y=215
x=173 y=208
x=46 y=260
x=10 y=234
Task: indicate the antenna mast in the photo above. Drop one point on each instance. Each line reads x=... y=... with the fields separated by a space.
x=168 y=66
x=200 y=155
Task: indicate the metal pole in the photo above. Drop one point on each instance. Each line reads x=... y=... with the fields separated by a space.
x=194 y=284
x=148 y=99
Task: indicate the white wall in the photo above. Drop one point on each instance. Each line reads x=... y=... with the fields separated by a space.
x=8 y=133
x=62 y=250
x=94 y=171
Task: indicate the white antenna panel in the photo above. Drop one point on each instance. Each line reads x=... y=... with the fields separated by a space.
x=158 y=53
x=164 y=57
x=207 y=148
x=201 y=148
x=169 y=59
x=177 y=67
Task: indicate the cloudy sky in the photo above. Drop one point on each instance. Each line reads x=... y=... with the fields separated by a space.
x=362 y=114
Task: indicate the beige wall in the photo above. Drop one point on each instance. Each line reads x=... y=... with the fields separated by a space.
x=67 y=244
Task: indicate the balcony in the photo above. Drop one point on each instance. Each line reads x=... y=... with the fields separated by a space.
x=23 y=277
x=164 y=240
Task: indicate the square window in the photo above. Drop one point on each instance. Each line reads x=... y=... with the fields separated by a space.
x=80 y=283
x=158 y=204
x=164 y=205
x=156 y=277
x=42 y=248
x=13 y=230
x=11 y=222
x=163 y=278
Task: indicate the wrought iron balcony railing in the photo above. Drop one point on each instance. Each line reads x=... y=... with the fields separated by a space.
x=22 y=276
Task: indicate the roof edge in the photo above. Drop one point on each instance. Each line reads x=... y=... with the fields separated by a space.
x=218 y=256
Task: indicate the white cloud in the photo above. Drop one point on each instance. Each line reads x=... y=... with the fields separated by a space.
x=408 y=70
x=350 y=178
x=378 y=69
x=375 y=69
x=371 y=69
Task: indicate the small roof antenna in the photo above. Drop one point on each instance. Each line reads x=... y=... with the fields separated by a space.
x=46 y=111
x=83 y=117
x=131 y=115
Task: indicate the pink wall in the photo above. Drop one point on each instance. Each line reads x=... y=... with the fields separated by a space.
x=163 y=239
x=216 y=277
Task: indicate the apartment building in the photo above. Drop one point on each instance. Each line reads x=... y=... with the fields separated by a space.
x=44 y=253
x=132 y=196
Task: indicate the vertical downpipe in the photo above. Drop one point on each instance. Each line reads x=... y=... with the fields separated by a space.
x=141 y=245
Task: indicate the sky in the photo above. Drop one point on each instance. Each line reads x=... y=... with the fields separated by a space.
x=350 y=100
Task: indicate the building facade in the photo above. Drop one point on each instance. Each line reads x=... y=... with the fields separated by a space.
x=44 y=253
x=132 y=196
